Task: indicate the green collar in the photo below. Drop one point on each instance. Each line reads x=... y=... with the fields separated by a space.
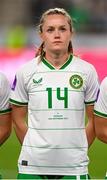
x=62 y=67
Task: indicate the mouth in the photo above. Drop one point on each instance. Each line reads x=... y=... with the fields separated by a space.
x=57 y=42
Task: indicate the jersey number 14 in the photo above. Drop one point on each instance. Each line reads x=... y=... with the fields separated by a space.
x=63 y=98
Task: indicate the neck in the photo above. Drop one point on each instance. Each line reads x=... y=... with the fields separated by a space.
x=57 y=60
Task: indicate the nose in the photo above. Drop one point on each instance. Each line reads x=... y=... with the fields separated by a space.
x=57 y=34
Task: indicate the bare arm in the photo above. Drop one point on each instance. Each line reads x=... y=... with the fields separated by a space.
x=90 y=129
x=101 y=128
x=19 y=114
x=5 y=127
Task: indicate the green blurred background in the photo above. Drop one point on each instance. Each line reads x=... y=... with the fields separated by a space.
x=10 y=151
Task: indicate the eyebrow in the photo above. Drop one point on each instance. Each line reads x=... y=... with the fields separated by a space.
x=53 y=26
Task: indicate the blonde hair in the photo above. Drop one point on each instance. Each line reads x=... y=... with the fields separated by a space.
x=59 y=11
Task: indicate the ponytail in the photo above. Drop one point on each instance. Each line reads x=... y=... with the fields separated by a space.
x=70 y=48
x=40 y=50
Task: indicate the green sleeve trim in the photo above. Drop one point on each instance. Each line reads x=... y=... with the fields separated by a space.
x=91 y=102
x=12 y=101
x=5 y=111
x=100 y=114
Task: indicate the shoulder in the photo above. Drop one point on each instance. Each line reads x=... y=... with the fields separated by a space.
x=104 y=83
x=29 y=67
x=4 y=84
x=80 y=61
x=33 y=63
x=83 y=65
x=3 y=78
x=26 y=71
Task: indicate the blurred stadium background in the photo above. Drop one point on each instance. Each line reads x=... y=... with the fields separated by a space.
x=18 y=41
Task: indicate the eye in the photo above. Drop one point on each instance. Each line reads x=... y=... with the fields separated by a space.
x=62 y=29
x=50 y=30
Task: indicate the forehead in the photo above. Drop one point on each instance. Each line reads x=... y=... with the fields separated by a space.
x=55 y=19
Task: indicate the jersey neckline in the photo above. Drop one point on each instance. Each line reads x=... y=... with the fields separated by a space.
x=50 y=66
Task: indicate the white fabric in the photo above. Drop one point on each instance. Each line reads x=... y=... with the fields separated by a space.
x=101 y=104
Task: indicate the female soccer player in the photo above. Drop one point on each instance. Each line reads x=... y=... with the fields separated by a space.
x=100 y=112
x=5 y=121
x=56 y=89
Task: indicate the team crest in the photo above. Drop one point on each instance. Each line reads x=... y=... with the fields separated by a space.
x=76 y=81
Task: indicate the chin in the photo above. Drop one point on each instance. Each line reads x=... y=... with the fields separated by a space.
x=57 y=50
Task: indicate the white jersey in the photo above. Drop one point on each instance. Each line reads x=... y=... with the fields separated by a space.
x=56 y=141
x=100 y=108
x=4 y=94
x=101 y=104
